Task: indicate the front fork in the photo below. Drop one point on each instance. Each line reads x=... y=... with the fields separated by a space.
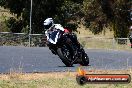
x=77 y=54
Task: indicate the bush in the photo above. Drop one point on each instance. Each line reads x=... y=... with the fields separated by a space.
x=15 y=26
x=71 y=26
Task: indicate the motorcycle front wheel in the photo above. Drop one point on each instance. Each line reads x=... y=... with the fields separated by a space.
x=64 y=54
x=85 y=60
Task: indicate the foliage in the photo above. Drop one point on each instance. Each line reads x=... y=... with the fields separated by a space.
x=71 y=13
x=3 y=27
x=63 y=12
x=15 y=26
x=94 y=14
x=94 y=18
x=121 y=19
x=101 y=13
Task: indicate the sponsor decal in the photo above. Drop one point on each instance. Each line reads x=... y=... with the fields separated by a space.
x=83 y=78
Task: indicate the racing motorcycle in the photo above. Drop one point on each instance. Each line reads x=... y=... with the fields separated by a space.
x=67 y=51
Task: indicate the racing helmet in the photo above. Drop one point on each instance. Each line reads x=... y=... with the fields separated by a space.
x=48 y=23
x=130 y=27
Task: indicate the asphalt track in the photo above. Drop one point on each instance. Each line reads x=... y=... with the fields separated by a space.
x=40 y=59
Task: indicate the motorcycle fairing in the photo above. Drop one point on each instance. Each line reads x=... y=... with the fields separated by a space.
x=53 y=37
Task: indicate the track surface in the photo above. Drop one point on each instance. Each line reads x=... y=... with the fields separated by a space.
x=42 y=60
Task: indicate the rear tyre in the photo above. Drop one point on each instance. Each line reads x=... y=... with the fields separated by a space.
x=65 y=59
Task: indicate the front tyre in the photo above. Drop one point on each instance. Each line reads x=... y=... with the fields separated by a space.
x=85 y=60
x=64 y=55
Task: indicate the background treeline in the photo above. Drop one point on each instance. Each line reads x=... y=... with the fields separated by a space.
x=96 y=15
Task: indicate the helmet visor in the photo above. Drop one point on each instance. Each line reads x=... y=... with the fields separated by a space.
x=47 y=26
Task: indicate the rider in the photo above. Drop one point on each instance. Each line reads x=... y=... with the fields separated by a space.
x=130 y=36
x=49 y=26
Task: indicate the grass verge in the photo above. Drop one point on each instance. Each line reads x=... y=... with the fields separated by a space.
x=56 y=80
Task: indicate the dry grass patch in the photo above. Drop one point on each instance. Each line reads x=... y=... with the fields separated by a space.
x=85 y=32
x=57 y=80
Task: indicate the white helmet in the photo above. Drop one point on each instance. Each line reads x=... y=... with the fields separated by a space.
x=48 y=23
x=130 y=27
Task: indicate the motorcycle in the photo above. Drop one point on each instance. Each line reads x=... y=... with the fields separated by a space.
x=66 y=49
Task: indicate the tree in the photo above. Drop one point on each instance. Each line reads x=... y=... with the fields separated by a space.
x=94 y=17
x=117 y=11
x=100 y=13
x=41 y=10
x=14 y=25
x=119 y=17
x=96 y=14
